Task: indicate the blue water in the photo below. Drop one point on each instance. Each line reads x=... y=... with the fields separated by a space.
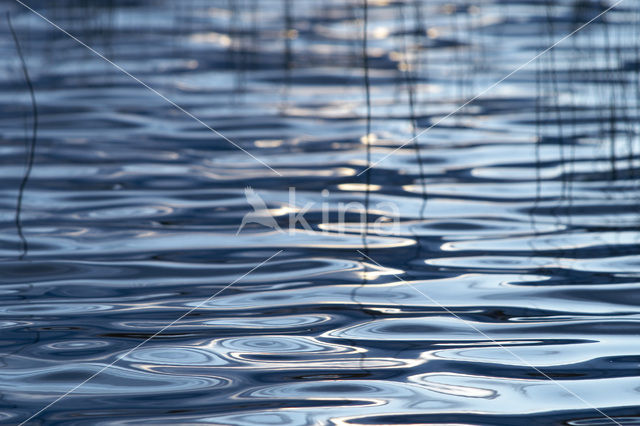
x=506 y=293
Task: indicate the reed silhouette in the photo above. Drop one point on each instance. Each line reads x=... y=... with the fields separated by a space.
x=368 y=139
x=410 y=79
x=30 y=145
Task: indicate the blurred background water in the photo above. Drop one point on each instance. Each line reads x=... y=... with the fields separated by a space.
x=507 y=294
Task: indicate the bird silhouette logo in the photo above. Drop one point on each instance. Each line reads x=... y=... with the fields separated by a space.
x=260 y=213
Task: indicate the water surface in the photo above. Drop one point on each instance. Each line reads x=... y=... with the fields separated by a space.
x=506 y=294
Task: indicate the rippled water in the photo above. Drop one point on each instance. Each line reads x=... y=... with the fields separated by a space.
x=506 y=294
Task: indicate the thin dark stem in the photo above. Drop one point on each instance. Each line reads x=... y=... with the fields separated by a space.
x=367 y=84
x=411 y=81
x=31 y=148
